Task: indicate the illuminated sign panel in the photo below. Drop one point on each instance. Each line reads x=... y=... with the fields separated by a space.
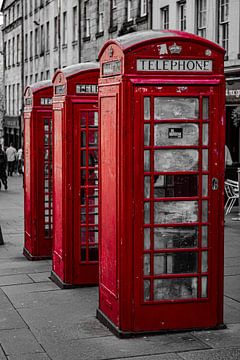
x=111 y=68
x=187 y=65
x=86 y=88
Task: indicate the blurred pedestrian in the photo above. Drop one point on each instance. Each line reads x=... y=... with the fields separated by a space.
x=11 y=158
x=19 y=160
x=3 y=167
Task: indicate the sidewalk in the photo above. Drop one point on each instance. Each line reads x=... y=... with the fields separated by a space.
x=40 y=321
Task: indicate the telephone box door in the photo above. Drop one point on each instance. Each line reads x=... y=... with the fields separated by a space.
x=177 y=237
x=44 y=179
x=86 y=193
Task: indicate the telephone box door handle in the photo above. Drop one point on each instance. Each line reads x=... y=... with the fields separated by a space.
x=214 y=183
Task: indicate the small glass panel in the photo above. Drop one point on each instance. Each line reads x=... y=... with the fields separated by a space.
x=205 y=134
x=176 y=108
x=146 y=290
x=175 y=263
x=173 y=289
x=204 y=211
x=146 y=108
x=146 y=186
x=147 y=213
x=205 y=108
x=204 y=236
x=146 y=134
x=204 y=293
x=146 y=160
x=205 y=185
x=205 y=159
x=146 y=239
x=146 y=264
x=175 y=237
x=83 y=119
x=175 y=185
x=204 y=261
x=93 y=138
x=176 y=134
x=176 y=160
x=83 y=139
x=93 y=119
x=175 y=212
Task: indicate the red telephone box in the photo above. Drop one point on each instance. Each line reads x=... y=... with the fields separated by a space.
x=38 y=171
x=161 y=103
x=75 y=108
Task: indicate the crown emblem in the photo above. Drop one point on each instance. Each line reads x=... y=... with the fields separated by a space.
x=175 y=49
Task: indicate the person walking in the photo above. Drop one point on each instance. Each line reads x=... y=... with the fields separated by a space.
x=19 y=160
x=3 y=167
x=11 y=157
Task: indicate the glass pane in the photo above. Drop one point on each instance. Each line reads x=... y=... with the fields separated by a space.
x=173 y=289
x=93 y=138
x=175 y=237
x=83 y=158
x=175 y=263
x=176 y=160
x=205 y=159
x=176 y=134
x=146 y=239
x=204 y=211
x=205 y=185
x=93 y=118
x=204 y=287
x=146 y=134
x=175 y=185
x=83 y=119
x=147 y=213
x=146 y=108
x=205 y=134
x=146 y=290
x=204 y=236
x=146 y=264
x=83 y=139
x=175 y=108
x=205 y=108
x=204 y=261
x=175 y=212
x=146 y=186
x=146 y=160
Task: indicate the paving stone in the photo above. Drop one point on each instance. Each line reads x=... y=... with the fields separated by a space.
x=31 y=356
x=153 y=357
x=40 y=295
x=232 y=287
x=10 y=319
x=2 y=356
x=41 y=276
x=231 y=311
x=15 y=280
x=5 y=304
x=229 y=337
x=113 y=348
x=220 y=354
x=19 y=341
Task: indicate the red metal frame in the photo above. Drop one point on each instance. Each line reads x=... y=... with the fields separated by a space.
x=75 y=107
x=38 y=171
x=164 y=229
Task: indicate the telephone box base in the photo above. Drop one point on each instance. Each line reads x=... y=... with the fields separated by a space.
x=128 y=334
x=31 y=257
x=60 y=283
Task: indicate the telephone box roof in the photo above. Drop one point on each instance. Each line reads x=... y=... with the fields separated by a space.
x=74 y=69
x=38 y=86
x=129 y=41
